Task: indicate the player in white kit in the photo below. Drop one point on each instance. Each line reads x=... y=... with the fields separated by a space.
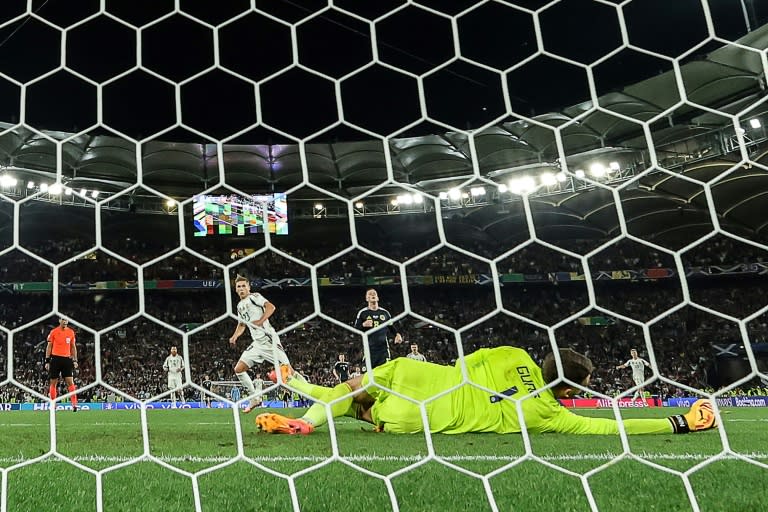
x=174 y=365
x=253 y=311
x=638 y=365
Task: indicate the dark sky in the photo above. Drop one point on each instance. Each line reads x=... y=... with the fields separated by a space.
x=300 y=102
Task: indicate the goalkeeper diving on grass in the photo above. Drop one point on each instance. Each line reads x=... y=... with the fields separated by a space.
x=507 y=371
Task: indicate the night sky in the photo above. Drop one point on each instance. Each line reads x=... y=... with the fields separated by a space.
x=300 y=102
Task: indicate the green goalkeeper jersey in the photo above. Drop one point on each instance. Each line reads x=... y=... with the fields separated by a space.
x=511 y=372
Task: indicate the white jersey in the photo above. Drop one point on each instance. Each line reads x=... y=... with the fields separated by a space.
x=252 y=308
x=638 y=367
x=173 y=364
x=416 y=357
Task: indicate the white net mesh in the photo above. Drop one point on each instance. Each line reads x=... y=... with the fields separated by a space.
x=502 y=153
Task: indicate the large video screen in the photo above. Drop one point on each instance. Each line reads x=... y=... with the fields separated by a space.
x=238 y=215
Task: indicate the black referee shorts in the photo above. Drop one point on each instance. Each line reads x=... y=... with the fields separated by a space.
x=60 y=365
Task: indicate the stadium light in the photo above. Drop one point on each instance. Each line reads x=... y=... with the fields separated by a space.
x=83 y=192
x=579 y=173
x=614 y=166
x=418 y=198
x=454 y=193
x=170 y=203
x=597 y=170
x=477 y=191
x=30 y=184
x=394 y=202
x=68 y=191
x=405 y=199
x=561 y=177
x=548 y=179
x=522 y=185
x=55 y=189
x=318 y=206
x=754 y=123
x=502 y=188
x=443 y=195
x=44 y=187
x=359 y=205
x=95 y=194
x=7 y=180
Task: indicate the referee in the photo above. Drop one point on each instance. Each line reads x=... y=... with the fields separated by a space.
x=61 y=359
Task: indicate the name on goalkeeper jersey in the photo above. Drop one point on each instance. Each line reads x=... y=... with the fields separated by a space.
x=525 y=376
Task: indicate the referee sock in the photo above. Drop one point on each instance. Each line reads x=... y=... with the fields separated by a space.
x=316 y=414
x=247 y=383
x=72 y=389
x=52 y=392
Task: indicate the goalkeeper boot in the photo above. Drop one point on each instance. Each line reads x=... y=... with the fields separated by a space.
x=701 y=416
x=286 y=372
x=277 y=424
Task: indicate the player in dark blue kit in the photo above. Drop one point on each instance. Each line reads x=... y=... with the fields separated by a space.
x=369 y=319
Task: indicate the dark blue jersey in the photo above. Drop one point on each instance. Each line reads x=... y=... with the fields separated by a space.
x=377 y=336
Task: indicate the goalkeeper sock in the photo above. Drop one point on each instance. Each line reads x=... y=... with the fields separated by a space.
x=52 y=392
x=312 y=390
x=72 y=389
x=247 y=383
x=316 y=415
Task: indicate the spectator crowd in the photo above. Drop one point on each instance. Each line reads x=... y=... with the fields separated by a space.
x=444 y=320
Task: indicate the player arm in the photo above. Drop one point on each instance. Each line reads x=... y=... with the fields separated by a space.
x=394 y=331
x=239 y=330
x=269 y=309
x=74 y=352
x=566 y=422
x=359 y=321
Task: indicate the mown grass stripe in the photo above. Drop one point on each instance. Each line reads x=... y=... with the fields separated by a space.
x=393 y=458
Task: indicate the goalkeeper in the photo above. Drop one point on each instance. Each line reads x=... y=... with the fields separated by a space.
x=507 y=371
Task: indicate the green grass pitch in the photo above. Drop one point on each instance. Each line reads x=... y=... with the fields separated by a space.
x=195 y=441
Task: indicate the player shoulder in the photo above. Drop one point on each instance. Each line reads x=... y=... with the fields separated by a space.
x=363 y=311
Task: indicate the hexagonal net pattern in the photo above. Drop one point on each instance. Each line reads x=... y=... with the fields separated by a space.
x=461 y=162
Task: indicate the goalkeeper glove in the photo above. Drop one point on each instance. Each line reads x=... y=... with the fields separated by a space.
x=701 y=416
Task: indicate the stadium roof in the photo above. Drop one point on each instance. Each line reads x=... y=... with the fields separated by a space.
x=691 y=139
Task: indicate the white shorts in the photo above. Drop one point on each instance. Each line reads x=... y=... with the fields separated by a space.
x=174 y=381
x=638 y=380
x=264 y=350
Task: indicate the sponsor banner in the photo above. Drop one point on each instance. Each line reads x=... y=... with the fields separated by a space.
x=731 y=401
x=113 y=406
x=476 y=279
x=512 y=278
x=602 y=403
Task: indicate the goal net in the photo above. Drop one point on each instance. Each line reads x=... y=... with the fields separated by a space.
x=585 y=174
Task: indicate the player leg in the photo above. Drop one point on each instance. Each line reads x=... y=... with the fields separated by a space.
x=53 y=384
x=639 y=391
x=340 y=397
x=53 y=376
x=67 y=373
x=71 y=388
x=172 y=389
x=254 y=354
